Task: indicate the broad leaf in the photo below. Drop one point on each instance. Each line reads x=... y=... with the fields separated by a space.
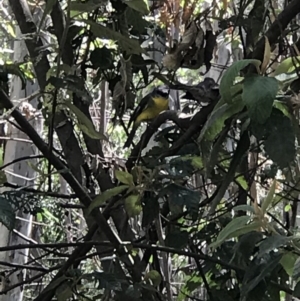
x=237 y=223
x=296 y=270
x=268 y=200
x=258 y=95
x=124 y=177
x=154 y=276
x=288 y=65
x=230 y=75
x=288 y=261
x=133 y=205
x=105 y=196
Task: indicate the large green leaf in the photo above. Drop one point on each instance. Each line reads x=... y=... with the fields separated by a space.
x=269 y=199
x=296 y=270
x=288 y=261
x=124 y=177
x=230 y=75
x=237 y=223
x=131 y=46
x=258 y=95
x=288 y=65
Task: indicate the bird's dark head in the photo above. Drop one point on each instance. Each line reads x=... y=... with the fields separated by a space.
x=162 y=92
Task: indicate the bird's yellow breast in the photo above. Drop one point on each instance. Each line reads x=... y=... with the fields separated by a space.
x=159 y=104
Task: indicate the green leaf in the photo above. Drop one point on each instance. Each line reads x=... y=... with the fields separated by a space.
x=105 y=196
x=243 y=182
x=215 y=121
x=288 y=261
x=246 y=229
x=7 y=215
x=85 y=124
x=139 y=5
x=244 y=208
x=133 y=205
x=282 y=107
x=258 y=95
x=288 y=65
x=124 y=177
x=237 y=223
x=131 y=46
x=296 y=270
x=154 y=276
x=230 y=75
x=268 y=200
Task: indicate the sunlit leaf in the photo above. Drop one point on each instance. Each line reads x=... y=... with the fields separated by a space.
x=124 y=177
x=288 y=65
x=133 y=205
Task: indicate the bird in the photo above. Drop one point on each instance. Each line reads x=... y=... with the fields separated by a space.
x=200 y=92
x=148 y=109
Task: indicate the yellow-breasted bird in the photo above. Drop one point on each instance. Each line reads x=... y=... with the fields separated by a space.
x=149 y=108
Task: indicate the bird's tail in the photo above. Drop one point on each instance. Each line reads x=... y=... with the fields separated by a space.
x=130 y=137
